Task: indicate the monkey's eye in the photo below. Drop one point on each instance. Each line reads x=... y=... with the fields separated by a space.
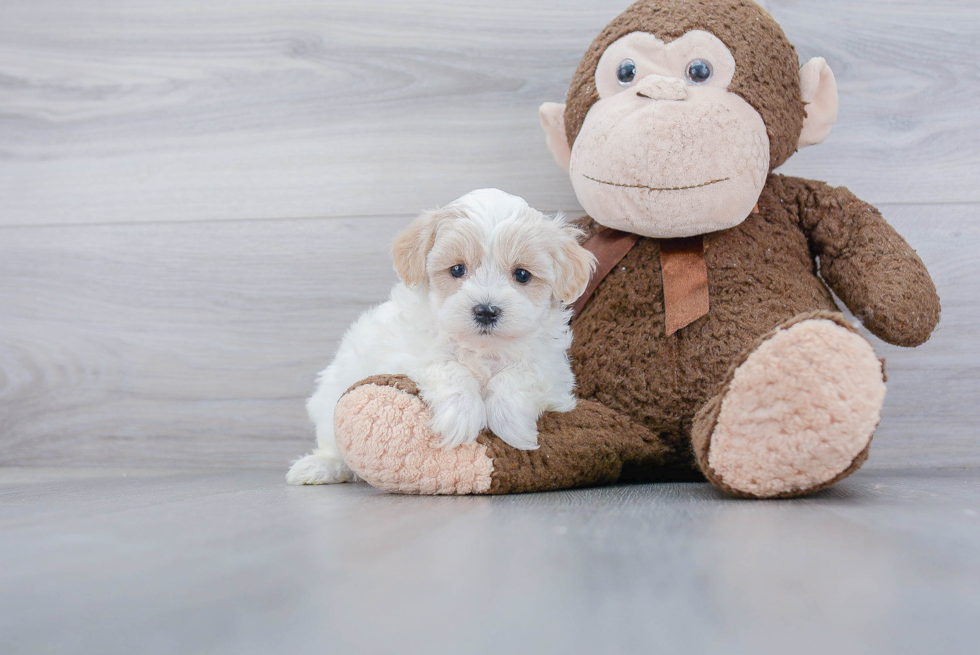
x=699 y=71
x=522 y=276
x=459 y=270
x=626 y=72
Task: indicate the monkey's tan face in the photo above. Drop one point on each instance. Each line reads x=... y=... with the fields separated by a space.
x=668 y=151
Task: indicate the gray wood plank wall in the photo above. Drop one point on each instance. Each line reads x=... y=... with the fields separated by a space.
x=197 y=197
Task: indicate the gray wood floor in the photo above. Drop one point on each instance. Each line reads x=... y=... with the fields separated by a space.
x=197 y=198
x=131 y=561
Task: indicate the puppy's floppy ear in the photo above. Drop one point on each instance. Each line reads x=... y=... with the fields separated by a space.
x=574 y=265
x=412 y=246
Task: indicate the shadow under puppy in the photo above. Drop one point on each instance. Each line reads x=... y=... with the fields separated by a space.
x=479 y=321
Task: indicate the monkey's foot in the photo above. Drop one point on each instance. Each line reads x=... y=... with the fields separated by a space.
x=382 y=430
x=796 y=415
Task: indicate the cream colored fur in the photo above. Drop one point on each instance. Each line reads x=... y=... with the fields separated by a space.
x=798 y=410
x=404 y=455
x=819 y=89
x=552 y=115
x=664 y=157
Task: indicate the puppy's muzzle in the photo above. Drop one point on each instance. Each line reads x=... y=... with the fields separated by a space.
x=486 y=315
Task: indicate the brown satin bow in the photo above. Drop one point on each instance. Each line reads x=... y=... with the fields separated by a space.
x=683 y=269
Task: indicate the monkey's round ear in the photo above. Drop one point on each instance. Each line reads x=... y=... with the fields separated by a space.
x=553 y=122
x=820 y=95
x=411 y=247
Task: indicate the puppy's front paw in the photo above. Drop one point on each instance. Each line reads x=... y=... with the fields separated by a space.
x=516 y=423
x=320 y=468
x=458 y=418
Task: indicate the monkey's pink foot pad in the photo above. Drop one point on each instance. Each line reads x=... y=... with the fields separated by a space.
x=799 y=412
x=382 y=431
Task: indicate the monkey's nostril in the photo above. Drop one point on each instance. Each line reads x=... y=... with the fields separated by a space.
x=655 y=87
x=486 y=314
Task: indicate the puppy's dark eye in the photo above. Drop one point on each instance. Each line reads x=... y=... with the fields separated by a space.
x=459 y=270
x=699 y=71
x=522 y=276
x=626 y=72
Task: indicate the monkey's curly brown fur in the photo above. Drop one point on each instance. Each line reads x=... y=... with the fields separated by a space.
x=641 y=390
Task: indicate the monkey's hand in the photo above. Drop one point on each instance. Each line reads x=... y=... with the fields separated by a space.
x=866 y=262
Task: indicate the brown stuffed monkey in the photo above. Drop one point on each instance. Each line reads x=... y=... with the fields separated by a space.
x=709 y=345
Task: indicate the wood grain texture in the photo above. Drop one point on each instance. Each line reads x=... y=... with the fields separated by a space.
x=135 y=110
x=180 y=343
x=196 y=197
x=194 y=344
x=126 y=561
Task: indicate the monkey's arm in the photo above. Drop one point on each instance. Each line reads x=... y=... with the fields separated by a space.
x=865 y=261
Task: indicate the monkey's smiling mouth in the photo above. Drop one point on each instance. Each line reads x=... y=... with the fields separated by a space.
x=653 y=188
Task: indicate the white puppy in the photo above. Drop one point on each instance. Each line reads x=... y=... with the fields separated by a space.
x=478 y=322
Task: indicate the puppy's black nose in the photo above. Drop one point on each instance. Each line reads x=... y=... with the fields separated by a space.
x=486 y=314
